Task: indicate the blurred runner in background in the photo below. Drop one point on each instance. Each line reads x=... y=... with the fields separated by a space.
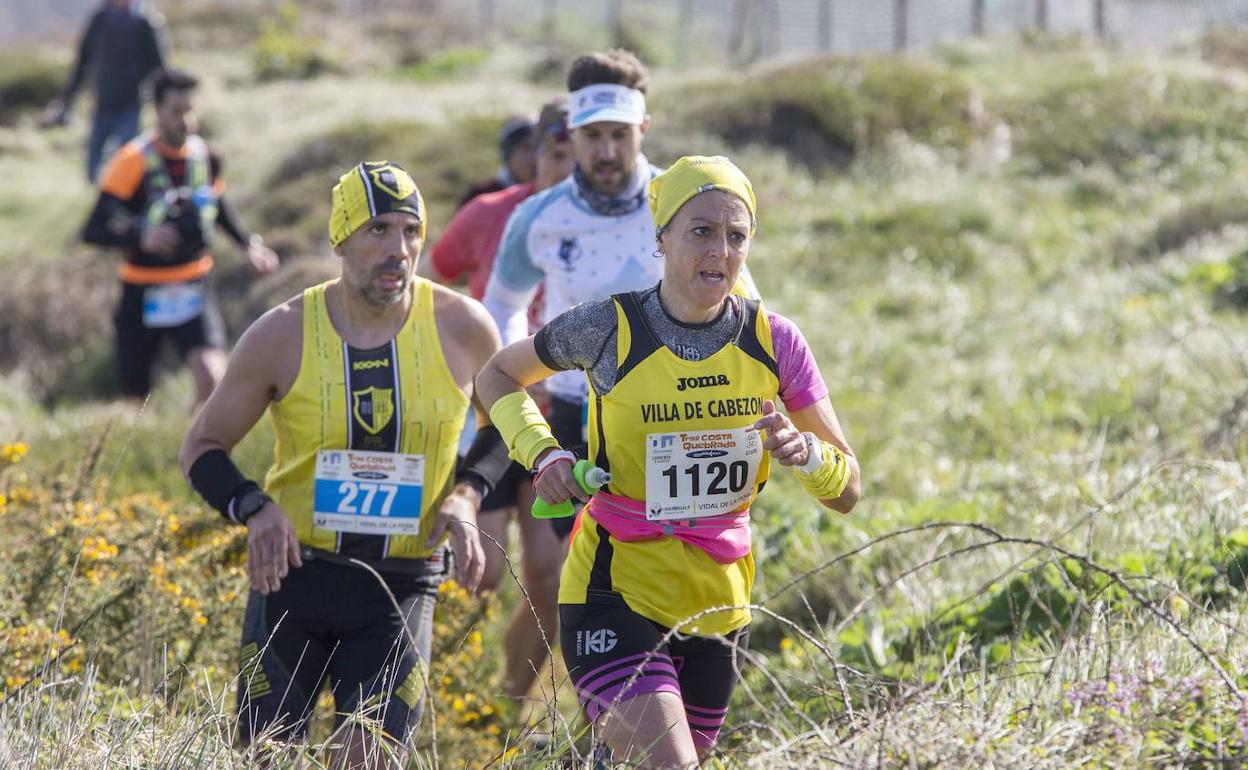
x=161 y=196
x=515 y=145
x=121 y=47
x=466 y=249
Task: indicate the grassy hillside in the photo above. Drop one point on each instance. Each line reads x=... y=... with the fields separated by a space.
x=1021 y=266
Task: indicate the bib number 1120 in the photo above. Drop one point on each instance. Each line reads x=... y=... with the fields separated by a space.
x=350 y=490
x=736 y=474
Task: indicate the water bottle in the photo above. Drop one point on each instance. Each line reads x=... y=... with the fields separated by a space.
x=590 y=477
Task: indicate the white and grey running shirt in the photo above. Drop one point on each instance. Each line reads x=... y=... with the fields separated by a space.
x=583 y=256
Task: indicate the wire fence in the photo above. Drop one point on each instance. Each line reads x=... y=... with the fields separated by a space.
x=685 y=32
x=716 y=32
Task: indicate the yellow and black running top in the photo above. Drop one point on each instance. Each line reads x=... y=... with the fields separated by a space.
x=676 y=435
x=366 y=439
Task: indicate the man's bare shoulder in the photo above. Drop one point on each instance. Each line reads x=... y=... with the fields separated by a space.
x=466 y=328
x=460 y=311
x=277 y=333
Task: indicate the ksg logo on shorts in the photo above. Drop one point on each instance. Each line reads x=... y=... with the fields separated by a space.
x=595 y=642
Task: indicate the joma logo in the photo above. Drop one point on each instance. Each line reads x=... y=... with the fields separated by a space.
x=380 y=363
x=710 y=381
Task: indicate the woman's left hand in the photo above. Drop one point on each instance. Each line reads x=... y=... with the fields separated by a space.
x=784 y=441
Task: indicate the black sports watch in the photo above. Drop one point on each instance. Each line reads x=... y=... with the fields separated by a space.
x=250 y=504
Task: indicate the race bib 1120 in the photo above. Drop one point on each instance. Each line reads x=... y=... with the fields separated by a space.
x=696 y=474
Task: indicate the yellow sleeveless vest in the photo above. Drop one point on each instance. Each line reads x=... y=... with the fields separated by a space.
x=667 y=580
x=318 y=414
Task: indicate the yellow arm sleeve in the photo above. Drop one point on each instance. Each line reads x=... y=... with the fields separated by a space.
x=829 y=480
x=522 y=426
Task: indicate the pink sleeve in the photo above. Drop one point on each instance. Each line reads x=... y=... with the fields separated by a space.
x=801 y=383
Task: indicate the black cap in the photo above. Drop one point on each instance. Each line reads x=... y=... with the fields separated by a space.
x=515 y=130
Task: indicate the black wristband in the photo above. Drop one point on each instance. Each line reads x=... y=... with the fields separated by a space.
x=474 y=480
x=218 y=480
x=486 y=462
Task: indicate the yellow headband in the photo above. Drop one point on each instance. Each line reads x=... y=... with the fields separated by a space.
x=369 y=190
x=694 y=174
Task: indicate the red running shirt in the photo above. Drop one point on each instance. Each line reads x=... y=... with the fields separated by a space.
x=470 y=241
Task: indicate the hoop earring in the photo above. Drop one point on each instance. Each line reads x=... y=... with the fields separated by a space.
x=658 y=254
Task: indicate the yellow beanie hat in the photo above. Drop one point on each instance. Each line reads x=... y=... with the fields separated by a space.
x=369 y=190
x=694 y=174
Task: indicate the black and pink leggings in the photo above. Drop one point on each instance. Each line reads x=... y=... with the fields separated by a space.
x=614 y=654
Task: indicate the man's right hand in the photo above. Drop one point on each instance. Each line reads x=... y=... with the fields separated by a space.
x=163 y=239
x=272 y=548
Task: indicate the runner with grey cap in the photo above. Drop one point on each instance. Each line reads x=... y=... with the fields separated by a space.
x=518 y=153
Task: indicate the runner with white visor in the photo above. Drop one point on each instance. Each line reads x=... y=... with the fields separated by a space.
x=590 y=236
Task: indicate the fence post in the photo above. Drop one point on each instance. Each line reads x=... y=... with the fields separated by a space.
x=684 y=24
x=825 y=25
x=550 y=17
x=736 y=35
x=615 y=22
x=487 y=20
x=901 y=24
x=977 y=18
x=1042 y=14
x=1098 y=15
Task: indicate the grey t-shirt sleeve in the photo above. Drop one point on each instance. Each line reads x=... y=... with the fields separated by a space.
x=576 y=338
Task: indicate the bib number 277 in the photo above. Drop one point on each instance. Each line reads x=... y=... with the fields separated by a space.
x=367 y=493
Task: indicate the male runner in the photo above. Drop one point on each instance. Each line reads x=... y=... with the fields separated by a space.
x=366 y=379
x=467 y=248
x=590 y=236
x=515 y=148
x=160 y=198
x=122 y=46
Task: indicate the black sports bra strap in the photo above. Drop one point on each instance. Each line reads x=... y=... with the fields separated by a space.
x=747 y=338
x=643 y=342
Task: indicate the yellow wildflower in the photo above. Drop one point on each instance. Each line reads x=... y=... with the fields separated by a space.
x=12 y=454
x=97 y=549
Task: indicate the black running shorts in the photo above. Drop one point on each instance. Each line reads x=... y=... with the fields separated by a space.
x=138 y=344
x=614 y=654
x=334 y=622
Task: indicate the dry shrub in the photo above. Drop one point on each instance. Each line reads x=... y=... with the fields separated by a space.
x=1128 y=118
x=1225 y=47
x=56 y=318
x=244 y=298
x=830 y=111
x=445 y=160
x=28 y=79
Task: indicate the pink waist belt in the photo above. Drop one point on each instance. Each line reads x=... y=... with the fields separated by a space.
x=725 y=538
